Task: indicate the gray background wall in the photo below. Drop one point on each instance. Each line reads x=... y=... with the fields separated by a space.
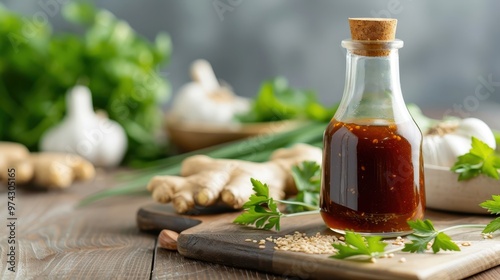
x=449 y=45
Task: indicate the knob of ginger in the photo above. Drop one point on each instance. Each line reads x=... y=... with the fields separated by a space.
x=204 y=181
x=43 y=170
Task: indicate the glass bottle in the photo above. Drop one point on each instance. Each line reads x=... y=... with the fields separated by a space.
x=373 y=180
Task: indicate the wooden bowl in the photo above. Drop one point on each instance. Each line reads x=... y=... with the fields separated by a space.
x=445 y=192
x=194 y=136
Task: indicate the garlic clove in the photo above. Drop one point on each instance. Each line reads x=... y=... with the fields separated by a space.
x=477 y=128
x=101 y=141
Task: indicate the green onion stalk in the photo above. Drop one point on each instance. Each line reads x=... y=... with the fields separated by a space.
x=256 y=149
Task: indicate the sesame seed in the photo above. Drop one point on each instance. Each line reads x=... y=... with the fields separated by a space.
x=248 y=240
x=402 y=260
x=262 y=246
x=466 y=244
x=375 y=141
x=301 y=242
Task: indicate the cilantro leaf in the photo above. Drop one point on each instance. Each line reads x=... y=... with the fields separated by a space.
x=307 y=180
x=493 y=206
x=276 y=100
x=425 y=233
x=481 y=159
x=492 y=226
x=357 y=245
x=260 y=210
x=442 y=241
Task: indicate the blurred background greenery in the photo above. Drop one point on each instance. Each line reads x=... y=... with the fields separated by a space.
x=451 y=49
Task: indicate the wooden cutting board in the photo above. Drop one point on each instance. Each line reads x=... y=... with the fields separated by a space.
x=213 y=238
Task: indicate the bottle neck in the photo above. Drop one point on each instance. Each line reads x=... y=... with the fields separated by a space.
x=372 y=90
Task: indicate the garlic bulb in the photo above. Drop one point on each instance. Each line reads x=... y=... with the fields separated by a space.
x=451 y=139
x=94 y=137
x=205 y=101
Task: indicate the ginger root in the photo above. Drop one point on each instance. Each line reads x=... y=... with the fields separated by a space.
x=44 y=170
x=205 y=181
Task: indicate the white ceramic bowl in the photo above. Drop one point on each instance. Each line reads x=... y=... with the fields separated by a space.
x=445 y=192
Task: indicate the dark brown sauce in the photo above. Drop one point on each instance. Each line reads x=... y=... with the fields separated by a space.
x=372 y=177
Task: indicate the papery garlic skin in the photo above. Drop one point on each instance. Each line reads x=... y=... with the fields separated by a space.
x=206 y=101
x=194 y=105
x=96 y=138
x=443 y=150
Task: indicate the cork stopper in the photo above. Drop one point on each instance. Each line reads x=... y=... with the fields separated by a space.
x=373 y=29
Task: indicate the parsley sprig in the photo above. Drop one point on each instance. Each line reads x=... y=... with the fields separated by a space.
x=262 y=211
x=493 y=206
x=425 y=233
x=307 y=179
x=359 y=247
x=481 y=159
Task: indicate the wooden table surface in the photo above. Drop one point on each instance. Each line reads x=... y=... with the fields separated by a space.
x=56 y=240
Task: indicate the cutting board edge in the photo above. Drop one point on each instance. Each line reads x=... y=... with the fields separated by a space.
x=189 y=246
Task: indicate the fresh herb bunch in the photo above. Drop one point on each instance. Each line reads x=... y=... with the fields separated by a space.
x=481 y=159
x=276 y=101
x=120 y=68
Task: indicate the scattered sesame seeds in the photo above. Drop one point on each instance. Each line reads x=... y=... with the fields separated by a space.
x=300 y=242
x=399 y=241
x=487 y=235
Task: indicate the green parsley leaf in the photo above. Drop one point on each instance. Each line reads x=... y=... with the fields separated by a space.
x=260 y=210
x=481 y=159
x=307 y=179
x=493 y=206
x=359 y=246
x=276 y=100
x=424 y=233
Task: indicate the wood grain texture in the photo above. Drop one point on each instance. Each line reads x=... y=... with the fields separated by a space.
x=55 y=240
x=171 y=265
